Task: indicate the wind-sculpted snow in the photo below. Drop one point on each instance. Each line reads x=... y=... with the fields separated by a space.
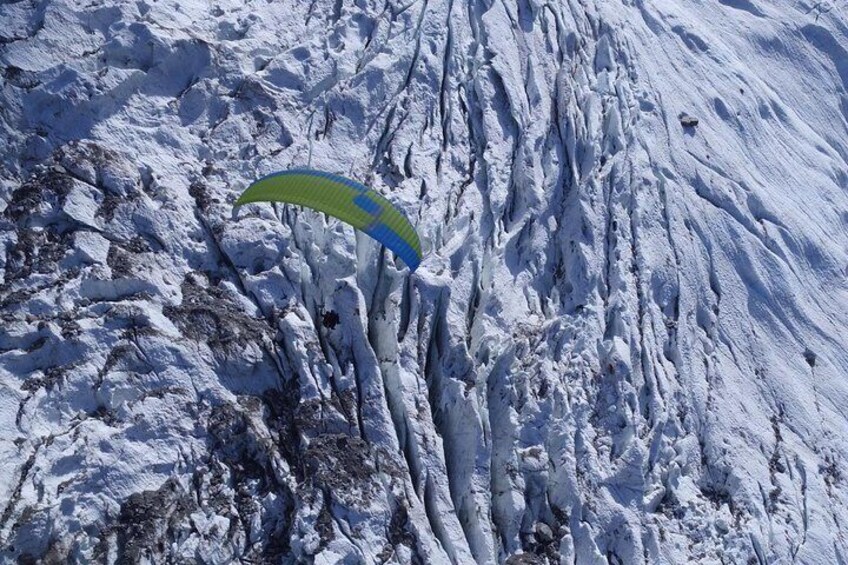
x=628 y=340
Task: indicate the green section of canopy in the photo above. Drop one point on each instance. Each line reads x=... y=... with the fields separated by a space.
x=323 y=193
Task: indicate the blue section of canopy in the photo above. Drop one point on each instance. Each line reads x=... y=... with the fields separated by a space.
x=367 y=204
x=382 y=233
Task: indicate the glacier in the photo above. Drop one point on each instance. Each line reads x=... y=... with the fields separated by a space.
x=628 y=340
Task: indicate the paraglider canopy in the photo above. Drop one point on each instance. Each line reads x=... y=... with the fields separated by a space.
x=345 y=199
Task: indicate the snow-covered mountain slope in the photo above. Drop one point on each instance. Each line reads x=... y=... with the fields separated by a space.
x=627 y=341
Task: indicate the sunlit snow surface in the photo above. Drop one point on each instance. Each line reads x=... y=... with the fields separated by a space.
x=628 y=341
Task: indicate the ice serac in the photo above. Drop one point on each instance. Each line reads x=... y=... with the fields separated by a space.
x=627 y=342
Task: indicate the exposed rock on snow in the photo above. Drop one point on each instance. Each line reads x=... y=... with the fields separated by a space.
x=688 y=121
x=626 y=342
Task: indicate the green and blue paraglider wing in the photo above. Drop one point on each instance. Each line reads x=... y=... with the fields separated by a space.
x=345 y=199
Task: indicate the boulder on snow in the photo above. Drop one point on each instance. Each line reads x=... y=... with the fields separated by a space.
x=91 y=246
x=544 y=533
x=688 y=121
